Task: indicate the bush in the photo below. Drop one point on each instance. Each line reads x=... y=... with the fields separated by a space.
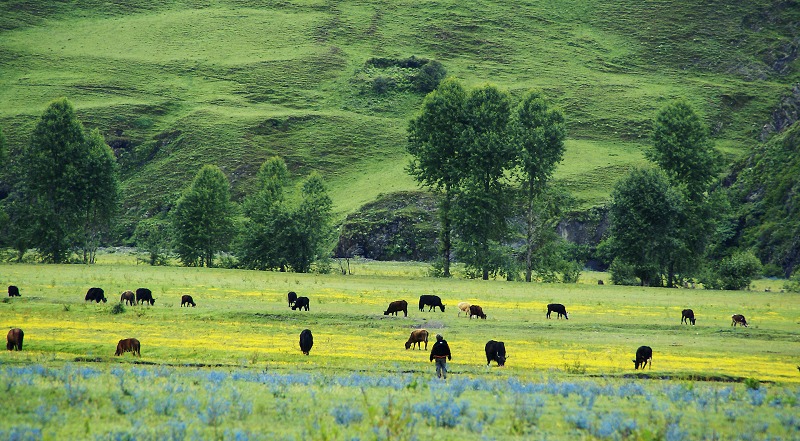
x=381 y=84
x=429 y=77
x=571 y=271
x=119 y=308
x=737 y=271
x=793 y=284
x=622 y=273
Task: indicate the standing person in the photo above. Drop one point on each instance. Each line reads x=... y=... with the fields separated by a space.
x=441 y=352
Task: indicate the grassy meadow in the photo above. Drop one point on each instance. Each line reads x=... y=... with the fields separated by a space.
x=174 y=85
x=237 y=354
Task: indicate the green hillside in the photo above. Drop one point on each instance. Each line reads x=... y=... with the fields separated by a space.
x=174 y=85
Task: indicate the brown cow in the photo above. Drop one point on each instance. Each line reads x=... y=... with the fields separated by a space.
x=128 y=345
x=14 y=337
x=463 y=307
x=128 y=297
x=476 y=311
x=397 y=306
x=417 y=337
x=187 y=300
x=738 y=319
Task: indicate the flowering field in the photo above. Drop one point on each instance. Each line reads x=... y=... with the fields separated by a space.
x=231 y=368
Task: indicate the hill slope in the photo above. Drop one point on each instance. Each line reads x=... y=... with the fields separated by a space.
x=175 y=85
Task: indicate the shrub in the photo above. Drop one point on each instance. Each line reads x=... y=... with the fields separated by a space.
x=119 y=308
x=381 y=84
x=737 y=271
x=429 y=77
x=622 y=273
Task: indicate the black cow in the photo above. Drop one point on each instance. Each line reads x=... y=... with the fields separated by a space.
x=600 y=281
x=300 y=303
x=129 y=345
x=95 y=295
x=643 y=355
x=292 y=298
x=475 y=310
x=128 y=298
x=14 y=339
x=397 y=306
x=557 y=308
x=687 y=315
x=13 y=291
x=144 y=295
x=187 y=300
x=306 y=341
x=429 y=300
x=495 y=351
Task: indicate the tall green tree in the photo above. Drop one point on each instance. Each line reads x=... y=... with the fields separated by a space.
x=537 y=131
x=54 y=163
x=646 y=221
x=435 y=136
x=101 y=193
x=203 y=218
x=683 y=149
x=312 y=225
x=484 y=198
x=268 y=220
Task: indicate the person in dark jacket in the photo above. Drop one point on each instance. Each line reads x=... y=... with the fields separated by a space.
x=441 y=353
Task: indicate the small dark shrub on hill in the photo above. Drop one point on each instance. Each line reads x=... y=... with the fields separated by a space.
x=733 y=273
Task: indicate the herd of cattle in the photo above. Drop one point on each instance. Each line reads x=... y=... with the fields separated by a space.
x=495 y=350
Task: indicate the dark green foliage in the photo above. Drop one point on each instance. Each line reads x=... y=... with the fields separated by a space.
x=623 y=273
x=734 y=272
x=409 y=74
x=102 y=194
x=767 y=197
x=311 y=227
x=682 y=149
x=203 y=218
x=429 y=77
x=538 y=132
x=118 y=308
x=647 y=216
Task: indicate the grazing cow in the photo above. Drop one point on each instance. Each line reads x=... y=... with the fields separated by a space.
x=463 y=307
x=395 y=307
x=431 y=301
x=14 y=338
x=187 y=300
x=476 y=311
x=738 y=319
x=128 y=345
x=13 y=291
x=300 y=303
x=96 y=295
x=643 y=355
x=306 y=341
x=417 y=337
x=600 y=282
x=687 y=315
x=144 y=295
x=292 y=298
x=557 y=308
x=128 y=298
x=495 y=351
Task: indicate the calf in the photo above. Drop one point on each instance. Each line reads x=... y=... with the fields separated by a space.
x=738 y=319
x=14 y=339
x=95 y=295
x=127 y=297
x=416 y=338
x=187 y=300
x=13 y=291
x=300 y=303
x=495 y=351
x=600 y=281
x=643 y=355
x=128 y=345
x=475 y=310
x=463 y=307
x=687 y=315
x=292 y=298
x=429 y=300
x=397 y=306
x=306 y=341
x=557 y=308
x=144 y=295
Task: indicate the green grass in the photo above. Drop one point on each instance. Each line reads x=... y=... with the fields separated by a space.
x=176 y=85
x=238 y=349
